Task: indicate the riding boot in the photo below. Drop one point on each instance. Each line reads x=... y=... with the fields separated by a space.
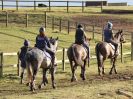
x=116 y=51
x=53 y=61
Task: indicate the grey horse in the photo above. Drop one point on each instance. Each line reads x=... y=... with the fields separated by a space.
x=35 y=59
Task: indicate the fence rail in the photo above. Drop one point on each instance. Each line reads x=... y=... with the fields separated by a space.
x=45 y=4
x=63 y=61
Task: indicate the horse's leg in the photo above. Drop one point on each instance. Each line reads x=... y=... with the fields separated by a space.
x=113 y=66
x=103 y=67
x=44 y=80
x=29 y=74
x=73 y=68
x=82 y=75
x=52 y=69
x=35 y=66
x=100 y=67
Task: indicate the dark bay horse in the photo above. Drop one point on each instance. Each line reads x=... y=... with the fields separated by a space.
x=35 y=59
x=77 y=55
x=104 y=50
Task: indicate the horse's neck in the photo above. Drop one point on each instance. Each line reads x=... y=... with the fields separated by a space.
x=117 y=39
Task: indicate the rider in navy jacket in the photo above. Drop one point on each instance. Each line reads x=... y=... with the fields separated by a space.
x=81 y=38
x=108 y=36
x=43 y=43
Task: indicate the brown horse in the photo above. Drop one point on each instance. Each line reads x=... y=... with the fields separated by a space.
x=104 y=50
x=77 y=55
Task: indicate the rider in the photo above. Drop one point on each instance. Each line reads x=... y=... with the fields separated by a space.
x=43 y=44
x=23 y=51
x=108 y=36
x=81 y=38
x=22 y=54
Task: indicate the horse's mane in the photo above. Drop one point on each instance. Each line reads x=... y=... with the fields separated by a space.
x=117 y=34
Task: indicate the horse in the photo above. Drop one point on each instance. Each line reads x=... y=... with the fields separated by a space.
x=35 y=59
x=106 y=50
x=77 y=56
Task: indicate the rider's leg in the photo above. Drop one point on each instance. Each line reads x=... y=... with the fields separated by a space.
x=116 y=46
x=88 y=51
x=52 y=54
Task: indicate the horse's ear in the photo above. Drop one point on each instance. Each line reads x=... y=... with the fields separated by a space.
x=57 y=38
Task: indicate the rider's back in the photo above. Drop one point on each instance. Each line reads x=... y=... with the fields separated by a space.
x=79 y=36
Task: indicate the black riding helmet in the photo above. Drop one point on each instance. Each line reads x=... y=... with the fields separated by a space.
x=80 y=26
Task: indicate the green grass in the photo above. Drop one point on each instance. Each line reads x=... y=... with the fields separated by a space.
x=95 y=87
x=12 y=39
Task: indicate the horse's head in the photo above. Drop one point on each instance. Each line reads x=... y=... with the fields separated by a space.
x=119 y=37
x=53 y=43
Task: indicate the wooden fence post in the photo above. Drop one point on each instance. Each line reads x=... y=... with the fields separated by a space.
x=76 y=24
x=53 y=23
x=68 y=27
x=16 y=4
x=82 y=6
x=131 y=46
x=1 y=64
x=34 y=5
x=63 y=61
x=67 y=6
x=101 y=6
x=93 y=32
x=84 y=27
x=45 y=19
x=121 y=53
x=49 y=5
x=26 y=20
x=60 y=27
x=18 y=65
x=2 y=4
x=6 y=19
x=102 y=33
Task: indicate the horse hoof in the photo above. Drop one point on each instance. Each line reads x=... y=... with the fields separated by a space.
x=46 y=81
x=73 y=79
x=110 y=73
x=27 y=84
x=39 y=86
x=54 y=87
x=83 y=78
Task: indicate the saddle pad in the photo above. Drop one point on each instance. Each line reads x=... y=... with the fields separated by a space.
x=47 y=59
x=112 y=46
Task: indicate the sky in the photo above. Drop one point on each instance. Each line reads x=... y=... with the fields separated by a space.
x=130 y=2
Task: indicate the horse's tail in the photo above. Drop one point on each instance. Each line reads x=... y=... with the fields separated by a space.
x=29 y=67
x=76 y=57
x=98 y=54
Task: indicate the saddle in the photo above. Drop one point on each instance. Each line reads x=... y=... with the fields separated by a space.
x=74 y=44
x=47 y=59
x=113 y=47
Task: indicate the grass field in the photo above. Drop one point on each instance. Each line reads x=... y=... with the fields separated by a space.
x=95 y=87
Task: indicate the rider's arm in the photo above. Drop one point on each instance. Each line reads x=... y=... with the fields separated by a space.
x=112 y=34
x=48 y=43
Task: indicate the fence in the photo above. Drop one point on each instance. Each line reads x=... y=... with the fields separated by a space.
x=44 y=4
x=63 y=61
